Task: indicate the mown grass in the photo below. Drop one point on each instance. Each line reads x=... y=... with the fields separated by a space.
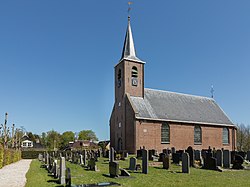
x=157 y=176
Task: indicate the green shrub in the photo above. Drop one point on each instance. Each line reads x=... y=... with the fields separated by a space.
x=1 y=156
x=9 y=156
x=30 y=154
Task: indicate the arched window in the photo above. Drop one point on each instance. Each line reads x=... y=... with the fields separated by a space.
x=197 y=134
x=225 y=136
x=119 y=75
x=134 y=72
x=165 y=133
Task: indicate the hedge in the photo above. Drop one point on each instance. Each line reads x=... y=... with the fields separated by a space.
x=1 y=156
x=30 y=154
x=8 y=156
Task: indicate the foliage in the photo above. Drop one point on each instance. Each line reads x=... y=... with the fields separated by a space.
x=53 y=140
x=243 y=137
x=10 y=156
x=1 y=156
x=156 y=176
x=30 y=154
x=66 y=137
x=87 y=135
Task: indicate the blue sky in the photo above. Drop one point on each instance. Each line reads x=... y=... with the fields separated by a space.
x=57 y=57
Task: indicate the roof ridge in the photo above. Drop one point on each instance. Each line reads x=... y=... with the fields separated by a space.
x=190 y=95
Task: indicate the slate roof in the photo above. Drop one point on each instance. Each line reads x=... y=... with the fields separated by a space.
x=128 y=52
x=171 y=106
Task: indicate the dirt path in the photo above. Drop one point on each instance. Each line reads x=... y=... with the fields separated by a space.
x=13 y=175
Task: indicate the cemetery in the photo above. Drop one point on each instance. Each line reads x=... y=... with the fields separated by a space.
x=171 y=167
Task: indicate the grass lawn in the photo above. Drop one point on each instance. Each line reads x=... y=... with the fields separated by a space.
x=157 y=176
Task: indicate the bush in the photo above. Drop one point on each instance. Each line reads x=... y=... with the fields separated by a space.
x=8 y=156
x=1 y=156
x=30 y=154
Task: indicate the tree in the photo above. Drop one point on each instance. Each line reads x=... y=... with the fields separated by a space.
x=87 y=135
x=43 y=139
x=31 y=136
x=53 y=140
x=66 y=137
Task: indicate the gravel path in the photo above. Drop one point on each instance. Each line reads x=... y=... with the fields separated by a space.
x=13 y=175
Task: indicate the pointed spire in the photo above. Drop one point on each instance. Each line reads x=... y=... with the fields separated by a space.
x=128 y=52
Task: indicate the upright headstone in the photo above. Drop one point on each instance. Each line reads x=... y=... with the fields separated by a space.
x=166 y=162
x=84 y=157
x=226 y=159
x=161 y=156
x=62 y=170
x=176 y=158
x=139 y=153
x=81 y=159
x=144 y=161
x=112 y=154
x=190 y=151
x=132 y=163
x=151 y=153
x=113 y=169
x=248 y=155
x=68 y=177
x=219 y=157
x=197 y=154
x=238 y=161
x=185 y=163
x=172 y=150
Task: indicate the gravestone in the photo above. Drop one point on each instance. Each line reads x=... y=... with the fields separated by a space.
x=81 y=159
x=92 y=165
x=132 y=163
x=84 y=157
x=56 y=170
x=47 y=159
x=144 y=161
x=238 y=161
x=113 y=169
x=166 y=162
x=190 y=151
x=176 y=158
x=40 y=157
x=219 y=157
x=185 y=163
x=248 y=155
x=161 y=156
x=151 y=153
x=124 y=173
x=242 y=154
x=210 y=162
x=197 y=154
x=226 y=159
x=233 y=153
x=139 y=153
x=112 y=154
x=68 y=177
x=62 y=170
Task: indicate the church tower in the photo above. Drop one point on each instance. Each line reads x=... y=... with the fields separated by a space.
x=129 y=80
x=129 y=72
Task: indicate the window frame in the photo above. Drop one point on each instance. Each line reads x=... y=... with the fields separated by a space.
x=227 y=142
x=197 y=127
x=165 y=140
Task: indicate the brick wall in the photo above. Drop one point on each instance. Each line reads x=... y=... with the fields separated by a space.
x=181 y=136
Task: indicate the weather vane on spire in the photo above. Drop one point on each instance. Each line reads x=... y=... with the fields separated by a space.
x=129 y=7
x=212 y=91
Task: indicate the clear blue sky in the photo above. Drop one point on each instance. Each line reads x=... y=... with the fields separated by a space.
x=57 y=57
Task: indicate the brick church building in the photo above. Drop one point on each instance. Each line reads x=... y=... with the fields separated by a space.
x=158 y=119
